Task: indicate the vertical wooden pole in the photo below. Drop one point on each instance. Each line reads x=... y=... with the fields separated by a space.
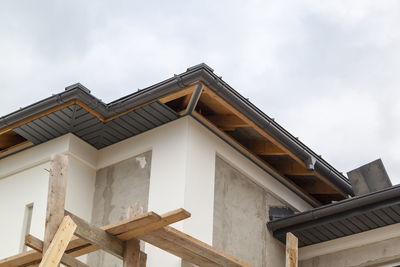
x=291 y=250
x=132 y=257
x=55 y=198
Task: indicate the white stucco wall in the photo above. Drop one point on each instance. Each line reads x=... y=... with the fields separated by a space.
x=182 y=176
x=24 y=180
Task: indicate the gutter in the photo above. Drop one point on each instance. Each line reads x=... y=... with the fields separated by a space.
x=351 y=205
x=197 y=73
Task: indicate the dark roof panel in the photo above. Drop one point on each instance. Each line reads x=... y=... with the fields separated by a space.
x=343 y=218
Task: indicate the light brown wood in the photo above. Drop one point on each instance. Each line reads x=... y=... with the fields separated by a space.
x=22 y=259
x=266 y=149
x=132 y=247
x=192 y=246
x=66 y=259
x=114 y=229
x=55 y=251
x=56 y=197
x=166 y=219
x=180 y=93
x=16 y=147
x=227 y=121
x=132 y=223
x=177 y=250
x=97 y=237
x=258 y=160
x=225 y=104
x=291 y=250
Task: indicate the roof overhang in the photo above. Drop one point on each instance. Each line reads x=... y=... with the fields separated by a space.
x=199 y=93
x=344 y=218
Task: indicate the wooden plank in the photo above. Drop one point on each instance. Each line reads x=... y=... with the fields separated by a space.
x=15 y=148
x=55 y=251
x=132 y=223
x=79 y=247
x=21 y=259
x=132 y=247
x=178 y=94
x=98 y=237
x=56 y=197
x=166 y=219
x=265 y=149
x=176 y=250
x=291 y=250
x=66 y=259
x=251 y=123
x=227 y=121
x=195 y=247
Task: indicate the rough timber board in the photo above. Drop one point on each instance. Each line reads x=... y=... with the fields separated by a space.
x=167 y=238
x=66 y=259
x=52 y=256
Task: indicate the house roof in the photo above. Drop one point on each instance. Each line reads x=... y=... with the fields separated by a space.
x=343 y=218
x=199 y=93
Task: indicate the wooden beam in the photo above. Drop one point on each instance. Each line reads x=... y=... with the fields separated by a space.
x=166 y=219
x=15 y=148
x=55 y=251
x=175 y=95
x=22 y=259
x=98 y=237
x=78 y=247
x=66 y=259
x=265 y=148
x=227 y=121
x=132 y=247
x=251 y=124
x=292 y=253
x=177 y=250
x=56 y=197
x=191 y=246
x=257 y=160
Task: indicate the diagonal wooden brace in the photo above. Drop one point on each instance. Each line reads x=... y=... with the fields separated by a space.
x=66 y=259
x=52 y=256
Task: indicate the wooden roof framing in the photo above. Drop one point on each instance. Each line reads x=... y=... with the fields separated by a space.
x=118 y=121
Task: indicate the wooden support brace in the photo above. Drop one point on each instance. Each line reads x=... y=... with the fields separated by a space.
x=98 y=237
x=55 y=251
x=55 y=198
x=66 y=259
x=132 y=247
x=291 y=250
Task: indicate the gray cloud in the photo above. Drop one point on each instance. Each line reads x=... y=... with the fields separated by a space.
x=327 y=71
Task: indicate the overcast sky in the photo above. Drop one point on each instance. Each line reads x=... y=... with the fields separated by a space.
x=327 y=71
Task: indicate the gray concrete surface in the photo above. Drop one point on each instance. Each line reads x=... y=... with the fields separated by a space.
x=384 y=253
x=240 y=217
x=369 y=178
x=117 y=187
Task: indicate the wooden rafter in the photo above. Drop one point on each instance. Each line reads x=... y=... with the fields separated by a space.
x=257 y=159
x=265 y=148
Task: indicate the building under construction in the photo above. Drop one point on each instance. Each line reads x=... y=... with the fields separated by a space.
x=186 y=172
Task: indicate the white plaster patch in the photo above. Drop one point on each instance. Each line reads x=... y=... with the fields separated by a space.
x=142 y=161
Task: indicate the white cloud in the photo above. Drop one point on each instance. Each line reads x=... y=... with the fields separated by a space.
x=327 y=70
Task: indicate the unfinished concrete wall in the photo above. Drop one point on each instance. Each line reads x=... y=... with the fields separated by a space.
x=375 y=254
x=240 y=217
x=117 y=187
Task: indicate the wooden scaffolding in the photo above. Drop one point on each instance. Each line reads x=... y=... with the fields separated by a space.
x=67 y=236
